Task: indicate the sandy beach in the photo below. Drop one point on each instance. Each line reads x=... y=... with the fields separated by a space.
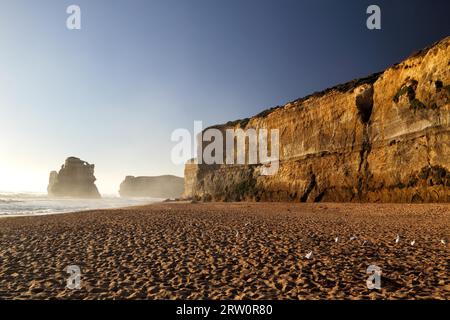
x=229 y=251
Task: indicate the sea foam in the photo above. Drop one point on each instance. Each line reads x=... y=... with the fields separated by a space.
x=28 y=204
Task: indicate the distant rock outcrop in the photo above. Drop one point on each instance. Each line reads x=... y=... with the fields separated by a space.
x=75 y=179
x=157 y=187
x=384 y=138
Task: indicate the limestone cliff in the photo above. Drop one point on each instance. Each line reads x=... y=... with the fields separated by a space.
x=75 y=179
x=157 y=187
x=384 y=138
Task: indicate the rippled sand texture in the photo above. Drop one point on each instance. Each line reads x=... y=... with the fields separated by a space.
x=229 y=251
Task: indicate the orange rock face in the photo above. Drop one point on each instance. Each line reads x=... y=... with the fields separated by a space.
x=385 y=138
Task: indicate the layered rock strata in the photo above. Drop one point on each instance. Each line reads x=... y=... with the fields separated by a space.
x=384 y=138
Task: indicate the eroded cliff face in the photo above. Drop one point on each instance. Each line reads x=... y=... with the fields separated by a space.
x=75 y=179
x=157 y=187
x=385 y=138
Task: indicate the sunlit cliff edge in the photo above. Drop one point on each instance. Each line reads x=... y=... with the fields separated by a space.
x=384 y=138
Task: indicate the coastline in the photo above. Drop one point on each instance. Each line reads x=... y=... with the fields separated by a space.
x=229 y=251
x=44 y=205
x=72 y=212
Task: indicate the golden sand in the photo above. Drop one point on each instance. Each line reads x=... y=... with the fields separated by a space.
x=229 y=251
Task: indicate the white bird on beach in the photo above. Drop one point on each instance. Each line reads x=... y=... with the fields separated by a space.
x=443 y=241
x=397 y=239
x=308 y=255
x=336 y=239
x=413 y=242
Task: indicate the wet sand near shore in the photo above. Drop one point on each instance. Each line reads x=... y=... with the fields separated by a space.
x=230 y=251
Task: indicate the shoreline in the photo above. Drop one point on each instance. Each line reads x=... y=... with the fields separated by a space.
x=257 y=251
x=68 y=212
x=221 y=202
x=139 y=202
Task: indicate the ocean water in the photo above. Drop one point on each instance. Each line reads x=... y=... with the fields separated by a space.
x=29 y=204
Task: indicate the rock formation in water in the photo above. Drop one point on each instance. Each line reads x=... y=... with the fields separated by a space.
x=167 y=186
x=75 y=179
x=384 y=138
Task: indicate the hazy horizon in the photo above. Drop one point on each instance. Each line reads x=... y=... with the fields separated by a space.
x=113 y=92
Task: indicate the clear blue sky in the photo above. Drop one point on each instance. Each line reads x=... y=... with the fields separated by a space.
x=113 y=92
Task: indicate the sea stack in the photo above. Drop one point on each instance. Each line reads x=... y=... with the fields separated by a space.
x=166 y=186
x=75 y=179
